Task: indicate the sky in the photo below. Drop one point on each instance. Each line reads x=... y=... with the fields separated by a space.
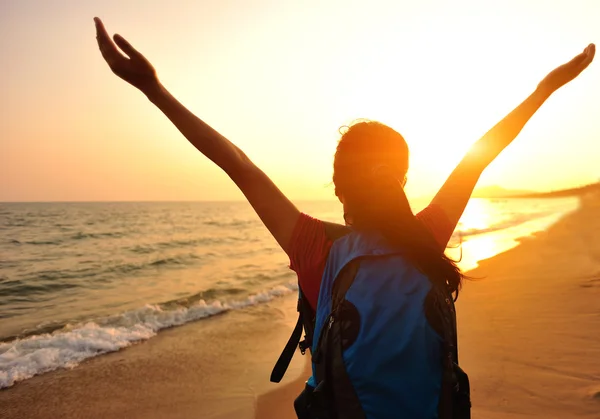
x=278 y=78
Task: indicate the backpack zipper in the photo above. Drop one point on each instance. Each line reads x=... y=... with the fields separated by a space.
x=316 y=356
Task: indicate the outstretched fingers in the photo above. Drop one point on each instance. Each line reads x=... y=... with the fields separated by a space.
x=108 y=49
x=590 y=51
x=585 y=58
x=126 y=47
x=579 y=63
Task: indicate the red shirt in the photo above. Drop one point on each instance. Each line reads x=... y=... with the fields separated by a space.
x=310 y=247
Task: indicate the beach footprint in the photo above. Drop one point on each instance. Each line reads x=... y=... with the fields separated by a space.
x=591 y=281
x=594 y=394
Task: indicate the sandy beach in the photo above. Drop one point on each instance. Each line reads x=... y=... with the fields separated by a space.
x=529 y=338
x=530 y=329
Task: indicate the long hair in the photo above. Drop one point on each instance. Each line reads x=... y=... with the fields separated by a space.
x=369 y=172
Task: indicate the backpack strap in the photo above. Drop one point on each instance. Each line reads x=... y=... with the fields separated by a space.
x=443 y=318
x=305 y=320
x=306 y=317
x=308 y=322
x=460 y=387
x=339 y=398
x=287 y=354
x=450 y=302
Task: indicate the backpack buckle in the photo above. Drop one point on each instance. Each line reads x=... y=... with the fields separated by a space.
x=303 y=345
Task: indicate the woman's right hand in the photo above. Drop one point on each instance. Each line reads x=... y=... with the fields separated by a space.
x=568 y=71
x=134 y=68
x=456 y=192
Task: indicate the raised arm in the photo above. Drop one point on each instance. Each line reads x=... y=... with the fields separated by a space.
x=277 y=212
x=456 y=191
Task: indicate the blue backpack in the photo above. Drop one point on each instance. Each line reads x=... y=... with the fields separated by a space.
x=384 y=341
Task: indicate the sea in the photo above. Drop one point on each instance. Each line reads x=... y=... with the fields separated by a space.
x=78 y=280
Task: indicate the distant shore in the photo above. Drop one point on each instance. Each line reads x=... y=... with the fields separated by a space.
x=593 y=188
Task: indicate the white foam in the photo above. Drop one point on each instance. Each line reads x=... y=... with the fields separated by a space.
x=66 y=348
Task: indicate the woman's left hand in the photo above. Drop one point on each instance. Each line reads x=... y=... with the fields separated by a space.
x=134 y=68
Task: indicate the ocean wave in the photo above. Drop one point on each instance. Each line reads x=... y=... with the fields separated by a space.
x=176 y=260
x=211 y=294
x=44 y=242
x=5 y=264
x=252 y=278
x=173 y=244
x=113 y=234
x=35 y=242
x=21 y=359
x=42 y=285
x=21 y=222
x=129 y=267
x=232 y=223
x=183 y=243
x=12 y=289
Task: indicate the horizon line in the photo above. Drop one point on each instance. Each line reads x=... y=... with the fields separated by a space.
x=474 y=193
x=192 y=201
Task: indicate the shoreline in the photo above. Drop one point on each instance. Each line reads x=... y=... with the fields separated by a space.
x=526 y=334
x=215 y=368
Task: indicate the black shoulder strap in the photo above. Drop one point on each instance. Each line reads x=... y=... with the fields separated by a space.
x=343 y=282
x=333 y=232
x=290 y=348
x=306 y=322
x=446 y=316
x=330 y=369
x=454 y=328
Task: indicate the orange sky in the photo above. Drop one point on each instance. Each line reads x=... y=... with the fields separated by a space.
x=278 y=78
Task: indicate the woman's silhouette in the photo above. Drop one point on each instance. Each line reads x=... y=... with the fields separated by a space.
x=370 y=167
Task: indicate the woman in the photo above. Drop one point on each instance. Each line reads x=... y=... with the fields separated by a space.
x=370 y=167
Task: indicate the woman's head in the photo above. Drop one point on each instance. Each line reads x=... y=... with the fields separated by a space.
x=368 y=154
x=369 y=174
